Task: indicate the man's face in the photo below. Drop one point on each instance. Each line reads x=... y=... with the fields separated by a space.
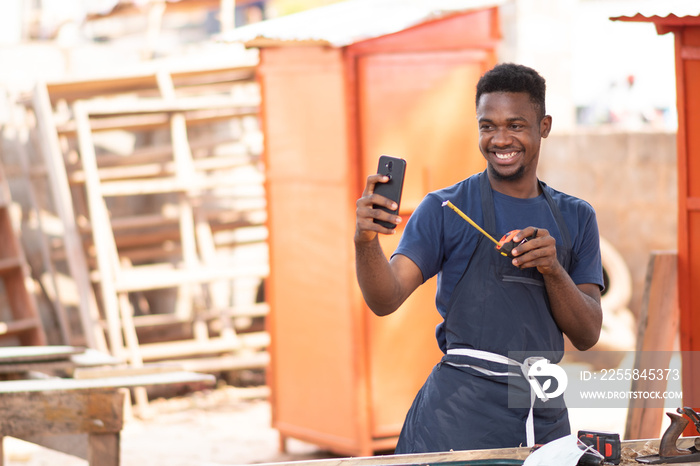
x=509 y=133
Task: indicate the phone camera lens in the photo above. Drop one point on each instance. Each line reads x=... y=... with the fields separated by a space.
x=390 y=165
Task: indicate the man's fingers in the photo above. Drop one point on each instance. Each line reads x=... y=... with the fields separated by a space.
x=384 y=216
x=366 y=213
x=368 y=202
x=366 y=228
x=528 y=232
x=538 y=252
x=372 y=181
x=368 y=224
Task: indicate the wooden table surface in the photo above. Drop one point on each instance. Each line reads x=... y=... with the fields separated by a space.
x=78 y=416
x=17 y=362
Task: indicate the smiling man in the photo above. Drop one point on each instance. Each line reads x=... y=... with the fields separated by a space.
x=500 y=314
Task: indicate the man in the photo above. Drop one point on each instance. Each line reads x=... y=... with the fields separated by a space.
x=499 y=313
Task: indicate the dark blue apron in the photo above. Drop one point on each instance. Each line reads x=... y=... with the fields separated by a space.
x=501 y=309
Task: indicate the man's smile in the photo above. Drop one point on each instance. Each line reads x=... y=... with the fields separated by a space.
x=505 y=155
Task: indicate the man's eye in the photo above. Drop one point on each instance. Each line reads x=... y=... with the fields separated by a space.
x=516 y=127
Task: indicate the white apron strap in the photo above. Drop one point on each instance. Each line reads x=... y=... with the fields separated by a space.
x=499 y=358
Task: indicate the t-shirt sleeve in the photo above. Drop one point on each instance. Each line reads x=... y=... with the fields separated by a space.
x=588 y=267
x=421 y=240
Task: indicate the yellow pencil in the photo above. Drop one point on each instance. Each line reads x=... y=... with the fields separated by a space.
x=471 y=222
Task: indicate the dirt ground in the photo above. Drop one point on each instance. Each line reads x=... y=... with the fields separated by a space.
x=224 y=426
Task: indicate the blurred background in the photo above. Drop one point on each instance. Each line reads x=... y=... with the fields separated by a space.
x=245 y=232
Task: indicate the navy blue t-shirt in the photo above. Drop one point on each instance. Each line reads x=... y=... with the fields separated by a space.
x=439 y=241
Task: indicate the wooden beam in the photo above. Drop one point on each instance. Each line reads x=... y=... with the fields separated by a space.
x=27 y=354
x=60 y=192
x=251 y=310
x=180 y=348
x=103 y=238
x=41 y=409
x=59 y=385
x=158 y=277
x=135 y=169
x=227 y=362
x=151 y=121
x=71 y=91
x=19 y=326
x=127 y=106
x=657 y=333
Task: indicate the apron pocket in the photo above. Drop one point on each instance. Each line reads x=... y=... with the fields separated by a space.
x=523 y=280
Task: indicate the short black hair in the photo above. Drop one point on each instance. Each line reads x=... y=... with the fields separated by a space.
x=511 y=77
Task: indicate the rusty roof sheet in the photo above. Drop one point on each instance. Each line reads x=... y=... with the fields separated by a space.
x=345 y=23
x=667 y=10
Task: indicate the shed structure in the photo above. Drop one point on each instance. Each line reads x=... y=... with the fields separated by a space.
x=342 y=85
x=683 y=20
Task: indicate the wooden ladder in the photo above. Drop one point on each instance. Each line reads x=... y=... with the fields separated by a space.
x=24 y=322
x=196 y=271
x=62 y=174
x=189 y=146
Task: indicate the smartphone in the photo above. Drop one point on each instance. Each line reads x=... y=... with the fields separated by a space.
x=395 y=169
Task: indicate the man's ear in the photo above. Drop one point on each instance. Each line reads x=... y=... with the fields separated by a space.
x=545 y=126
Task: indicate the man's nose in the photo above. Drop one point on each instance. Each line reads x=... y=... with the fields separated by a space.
x=501 y=137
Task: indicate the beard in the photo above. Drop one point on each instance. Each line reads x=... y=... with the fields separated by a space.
x=518 y=174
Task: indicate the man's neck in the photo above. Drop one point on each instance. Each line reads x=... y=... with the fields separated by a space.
x=523 y=188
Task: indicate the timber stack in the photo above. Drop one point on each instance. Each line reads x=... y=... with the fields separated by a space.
x=145 y=197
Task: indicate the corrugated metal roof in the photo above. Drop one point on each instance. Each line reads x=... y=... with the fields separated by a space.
x=659 y=10
x=345 y=23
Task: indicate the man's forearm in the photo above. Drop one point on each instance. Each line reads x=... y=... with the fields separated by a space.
x=375 y=277
x=577 y=313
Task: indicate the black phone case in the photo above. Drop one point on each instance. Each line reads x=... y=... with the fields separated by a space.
x=395 y=168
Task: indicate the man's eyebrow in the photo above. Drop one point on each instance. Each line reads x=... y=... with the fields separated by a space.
x=508 y=120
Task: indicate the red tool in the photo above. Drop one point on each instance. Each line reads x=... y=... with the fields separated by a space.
x=606 y=443
x=506 y=245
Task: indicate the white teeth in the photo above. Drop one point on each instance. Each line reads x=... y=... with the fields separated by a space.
x=506 y=156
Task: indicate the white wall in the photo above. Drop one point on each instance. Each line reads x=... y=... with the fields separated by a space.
x=586 y=58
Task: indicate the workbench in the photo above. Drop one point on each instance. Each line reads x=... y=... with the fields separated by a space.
x=78 y=416
x=464 y=458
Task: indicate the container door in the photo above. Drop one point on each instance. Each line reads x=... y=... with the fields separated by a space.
x=420 y=107
x=688 y=74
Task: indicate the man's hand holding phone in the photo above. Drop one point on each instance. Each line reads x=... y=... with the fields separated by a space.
x=377 y=209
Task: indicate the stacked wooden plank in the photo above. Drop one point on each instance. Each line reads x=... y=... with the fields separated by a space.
x=157 y=182
x=20 y=322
